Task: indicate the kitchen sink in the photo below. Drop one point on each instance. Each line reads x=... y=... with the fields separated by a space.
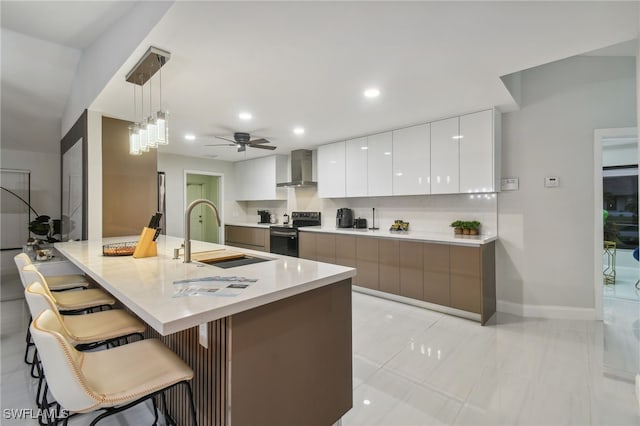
x=232 y=263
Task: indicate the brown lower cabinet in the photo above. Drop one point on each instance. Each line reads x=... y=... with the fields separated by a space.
x=436 y=273
x=367 y=251
x=455 y=276
x=389 y=266
x=247 y=237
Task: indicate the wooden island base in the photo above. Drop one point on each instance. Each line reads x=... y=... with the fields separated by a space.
x=284 y=363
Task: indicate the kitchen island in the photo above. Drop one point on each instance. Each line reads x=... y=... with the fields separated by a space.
x=276 y=352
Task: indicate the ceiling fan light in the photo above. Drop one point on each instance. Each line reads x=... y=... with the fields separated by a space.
x=134 y=141
x=162 y=128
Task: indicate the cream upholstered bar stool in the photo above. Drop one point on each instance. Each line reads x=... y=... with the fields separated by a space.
x=112 y=380
x=83 y=331
x=55 y=282
x=68 y=302
x=90 y=330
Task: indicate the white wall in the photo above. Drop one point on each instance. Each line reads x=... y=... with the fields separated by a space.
x=174 y=167
x=45 y=177
x=546 y=240
x=101 y=60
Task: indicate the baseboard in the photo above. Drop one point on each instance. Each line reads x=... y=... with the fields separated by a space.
x=546 y=311
x=418 y=303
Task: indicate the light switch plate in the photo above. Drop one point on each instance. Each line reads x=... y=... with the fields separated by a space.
x=509 y=184
x=551 y=181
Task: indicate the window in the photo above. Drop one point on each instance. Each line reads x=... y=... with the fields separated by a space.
x=620 y=195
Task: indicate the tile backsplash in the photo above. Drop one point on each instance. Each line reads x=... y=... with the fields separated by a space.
x=426 y=213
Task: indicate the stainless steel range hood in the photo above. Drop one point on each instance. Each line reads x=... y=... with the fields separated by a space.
x=301 y=170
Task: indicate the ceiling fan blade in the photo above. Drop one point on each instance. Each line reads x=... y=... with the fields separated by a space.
x=222 y=144
x=259 y=141
x=269 y=147
x=225 y=139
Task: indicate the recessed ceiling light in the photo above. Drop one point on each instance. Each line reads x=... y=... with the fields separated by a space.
x=190 y=137
x=372 y=93
x=245 y=116
x=457 y=137
x=298 y=130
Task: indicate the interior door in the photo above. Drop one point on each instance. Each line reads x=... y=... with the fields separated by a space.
x=194 y=192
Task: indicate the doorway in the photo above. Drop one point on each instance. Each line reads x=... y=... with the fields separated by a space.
x=616 y=215
x=207 y=185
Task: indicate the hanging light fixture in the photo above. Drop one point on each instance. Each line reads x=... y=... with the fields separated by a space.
x=162 y=118
x=134 y=135
x=142 y=126
x=152 y=140
x=151 y=130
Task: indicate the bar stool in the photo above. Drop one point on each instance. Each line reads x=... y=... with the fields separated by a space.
x=112 y=380
x=84 y=332
x=90 y=330
x=55 y=282
x=69 y=302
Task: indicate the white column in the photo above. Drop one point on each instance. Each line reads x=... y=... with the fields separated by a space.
x=94 y=171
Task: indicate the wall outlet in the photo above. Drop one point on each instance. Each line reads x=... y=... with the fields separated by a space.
x=509 y=184
x=551 y=181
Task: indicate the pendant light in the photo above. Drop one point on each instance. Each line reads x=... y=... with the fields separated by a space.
x=144 y=141
x=134 y=135
x=162 y=118
x=151 y=130
x=152 y=140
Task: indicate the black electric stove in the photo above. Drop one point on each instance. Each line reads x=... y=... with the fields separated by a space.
x=284 y=238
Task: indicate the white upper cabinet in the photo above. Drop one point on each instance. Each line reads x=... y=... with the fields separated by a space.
x=331 y=170
x=411 y=163
x=380 y=164
x=452 y=156
x=256 y=179
x=356 y=167
x=445 y=166
x=477 y=159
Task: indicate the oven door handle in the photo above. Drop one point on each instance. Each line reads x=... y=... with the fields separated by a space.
x=283 y=234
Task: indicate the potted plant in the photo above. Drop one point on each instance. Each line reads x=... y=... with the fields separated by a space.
x=466 y=227
x=457 y=227
x=474 y=227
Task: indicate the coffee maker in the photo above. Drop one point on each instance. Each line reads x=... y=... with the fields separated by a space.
x=265 y=216
x=344 y=218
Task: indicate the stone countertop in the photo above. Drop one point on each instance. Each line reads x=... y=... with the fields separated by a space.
x=438 y=237
x=251 y=224
x=146 y=285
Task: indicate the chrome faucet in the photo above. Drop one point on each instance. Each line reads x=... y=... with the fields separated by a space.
x=187 y=225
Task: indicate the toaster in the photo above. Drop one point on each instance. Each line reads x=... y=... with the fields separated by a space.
x=360 y=223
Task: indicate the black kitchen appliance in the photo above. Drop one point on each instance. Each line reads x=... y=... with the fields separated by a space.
x=284 y=239
x=265 y=216
x=360 y=223
x=344 y=218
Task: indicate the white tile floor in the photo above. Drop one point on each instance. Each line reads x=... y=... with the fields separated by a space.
x=416 y=367
x=624 y=287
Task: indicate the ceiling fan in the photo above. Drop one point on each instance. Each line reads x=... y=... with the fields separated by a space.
x=243 y=140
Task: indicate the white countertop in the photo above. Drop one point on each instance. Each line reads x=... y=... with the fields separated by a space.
x=439 y=237
x=251 y=224
x=146 y=285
